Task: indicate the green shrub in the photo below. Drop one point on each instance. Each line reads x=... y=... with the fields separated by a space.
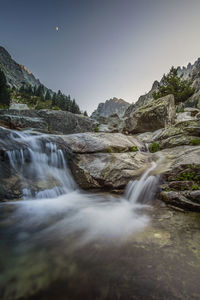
x=195 y=187
x=96 y=129
x=110 y=150
x=167 y=190
x=195 y=142
x=187 y=176
x=154 y=147
x=180 y=110
x=134 y=149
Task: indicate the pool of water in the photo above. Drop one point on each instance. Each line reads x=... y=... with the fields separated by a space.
x=55 y=258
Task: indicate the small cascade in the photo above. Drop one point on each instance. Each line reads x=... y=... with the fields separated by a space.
x=41 y=167
x=144 y=189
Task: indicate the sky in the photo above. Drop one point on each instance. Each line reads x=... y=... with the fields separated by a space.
x=104 y=48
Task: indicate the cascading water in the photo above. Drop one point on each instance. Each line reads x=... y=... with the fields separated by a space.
x=52 y=193
x=144 y=189
x=45 y=166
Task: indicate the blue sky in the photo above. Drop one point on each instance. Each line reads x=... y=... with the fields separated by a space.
x=103 y=48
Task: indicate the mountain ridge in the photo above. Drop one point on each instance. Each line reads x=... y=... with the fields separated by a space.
x=109 y=107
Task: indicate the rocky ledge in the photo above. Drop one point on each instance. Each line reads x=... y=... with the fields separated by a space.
x=49 y=121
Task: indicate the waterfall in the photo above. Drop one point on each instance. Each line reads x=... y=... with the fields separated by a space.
x=41 y=167
x=52 y=194
x=144 y=189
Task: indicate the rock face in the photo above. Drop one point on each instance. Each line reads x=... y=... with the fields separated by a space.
x=181 y=186
x=16 y=74
x=110 y=107
x=49 y=121
x=111 y=124
x=154 y=115
x=143 y=100
x=105 y=160
x=183 y=133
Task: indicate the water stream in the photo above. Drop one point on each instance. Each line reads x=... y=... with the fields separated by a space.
x=60 y=242
x=93 y=215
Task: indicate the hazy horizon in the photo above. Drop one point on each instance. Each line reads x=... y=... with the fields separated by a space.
x=103 y=49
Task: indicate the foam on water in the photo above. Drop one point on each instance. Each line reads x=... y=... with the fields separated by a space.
x=64 y=209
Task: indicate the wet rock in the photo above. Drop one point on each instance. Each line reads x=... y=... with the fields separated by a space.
x=154 y=115
x=107 y=170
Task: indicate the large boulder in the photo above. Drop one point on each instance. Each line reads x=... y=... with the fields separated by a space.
x=102 y=142
x=105 y=160
x=51 y=121
x=154 y=115
x=183 y=133
x=108 y=170
x=181 y=177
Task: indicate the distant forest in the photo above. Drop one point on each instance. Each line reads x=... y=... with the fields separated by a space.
x=42 y=97
x=37 y=97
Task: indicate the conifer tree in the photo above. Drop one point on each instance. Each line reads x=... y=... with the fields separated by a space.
x=4 y=90
x=174 y=84
x=85 y=113
x=48 y=95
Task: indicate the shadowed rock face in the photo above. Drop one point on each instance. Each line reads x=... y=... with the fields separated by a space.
x=16 y=74
x=110 y=107
x=152 y=116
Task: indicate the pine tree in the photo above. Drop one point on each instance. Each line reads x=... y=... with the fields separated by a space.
x=48 y=95
x=40 y=91
x=4 y=90
x=174 y=84
x=85 y=113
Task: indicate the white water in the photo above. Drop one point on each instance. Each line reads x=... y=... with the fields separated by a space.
x=56 y=212
x=47 y=167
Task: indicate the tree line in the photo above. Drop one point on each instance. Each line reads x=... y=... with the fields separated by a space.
x=58 y=100
x=37 y=96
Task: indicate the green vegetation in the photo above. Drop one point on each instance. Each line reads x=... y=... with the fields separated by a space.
x=173 y=84
x=41 y=98
x=195 y=187
x=96 y=129
x=4 y=91
x=188 y=176
x=180 y=110
x=85 y=113
x=154 y=147
x=195 y=142
x=110 y=150
x=134 y=149
x=167 y=190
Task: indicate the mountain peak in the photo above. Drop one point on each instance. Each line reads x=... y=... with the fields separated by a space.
x=110 y=107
